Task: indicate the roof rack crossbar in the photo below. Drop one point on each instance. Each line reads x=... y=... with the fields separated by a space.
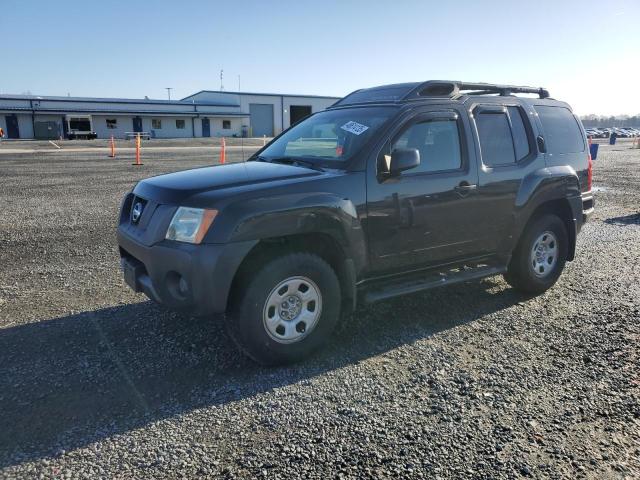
x=451 y=89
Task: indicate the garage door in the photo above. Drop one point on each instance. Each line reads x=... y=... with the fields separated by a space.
x=261 y=119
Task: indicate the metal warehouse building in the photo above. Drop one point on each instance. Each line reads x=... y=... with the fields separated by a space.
x=203 y=114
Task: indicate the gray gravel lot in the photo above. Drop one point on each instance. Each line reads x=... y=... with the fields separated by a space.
x=472 y=381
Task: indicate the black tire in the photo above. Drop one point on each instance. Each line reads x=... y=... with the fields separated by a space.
x=520 y=272
x=245 y=319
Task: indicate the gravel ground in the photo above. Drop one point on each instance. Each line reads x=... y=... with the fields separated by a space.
x=471 y=381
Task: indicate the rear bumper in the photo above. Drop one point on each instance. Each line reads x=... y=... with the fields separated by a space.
x=182 y=276
x=588 y=205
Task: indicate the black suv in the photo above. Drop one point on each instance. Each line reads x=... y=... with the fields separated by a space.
x=392 y=190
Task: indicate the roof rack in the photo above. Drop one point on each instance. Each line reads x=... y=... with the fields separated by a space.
x=453 y=89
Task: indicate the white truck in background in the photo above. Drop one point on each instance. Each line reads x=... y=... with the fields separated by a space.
x=80 y=127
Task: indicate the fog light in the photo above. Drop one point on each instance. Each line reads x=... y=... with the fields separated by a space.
x=183 y=288
x=177 y=286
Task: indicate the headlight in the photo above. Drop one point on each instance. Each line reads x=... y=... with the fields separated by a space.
x=190 y=224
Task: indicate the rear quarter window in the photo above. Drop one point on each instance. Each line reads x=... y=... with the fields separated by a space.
x=562 y=132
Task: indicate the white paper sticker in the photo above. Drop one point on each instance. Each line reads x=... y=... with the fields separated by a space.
x=354 y=127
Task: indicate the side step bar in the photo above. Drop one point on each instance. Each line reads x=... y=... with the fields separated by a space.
x=417 y=284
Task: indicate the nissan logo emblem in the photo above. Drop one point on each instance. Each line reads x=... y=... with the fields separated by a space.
x=136 y=212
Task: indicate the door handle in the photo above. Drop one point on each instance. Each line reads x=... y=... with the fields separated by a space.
x=464 y=188
x=542 y=147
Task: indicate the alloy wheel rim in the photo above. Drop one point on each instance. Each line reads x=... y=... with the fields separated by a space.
x=292 y=309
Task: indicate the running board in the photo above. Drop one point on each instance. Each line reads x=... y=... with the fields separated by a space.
x=428 y=281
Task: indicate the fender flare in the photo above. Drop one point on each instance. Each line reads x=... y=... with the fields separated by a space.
x=546 y=185
x=294 y=214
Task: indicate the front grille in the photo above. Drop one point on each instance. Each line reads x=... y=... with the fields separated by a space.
x=125 y=209
x=138 y=210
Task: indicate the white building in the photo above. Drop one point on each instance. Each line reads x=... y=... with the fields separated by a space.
x=203 y=114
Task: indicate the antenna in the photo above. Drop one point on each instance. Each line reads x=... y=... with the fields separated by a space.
x=221 y=77
x=168 y=89
x=238 y=83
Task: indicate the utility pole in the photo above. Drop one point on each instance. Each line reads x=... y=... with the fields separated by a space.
x=168 y=89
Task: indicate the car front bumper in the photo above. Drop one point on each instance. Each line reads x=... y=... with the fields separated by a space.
x=182 y=276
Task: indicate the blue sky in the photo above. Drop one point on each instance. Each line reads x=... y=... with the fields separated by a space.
x=132 y=48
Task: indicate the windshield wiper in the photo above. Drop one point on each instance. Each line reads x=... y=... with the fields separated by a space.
x=292 y=161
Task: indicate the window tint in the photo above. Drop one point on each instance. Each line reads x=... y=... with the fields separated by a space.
x=156 y=123
x=494 y=133
x=438 y=142
x=332 y=135
x=561 y=131
x=226 y=124
x=179 y=124
x=112 y=123
x=520 y=139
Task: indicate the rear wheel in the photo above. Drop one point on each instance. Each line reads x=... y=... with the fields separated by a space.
x=287 y=310
x=540 y=256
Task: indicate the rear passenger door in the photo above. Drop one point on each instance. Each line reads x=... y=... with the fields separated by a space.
x=507 y=153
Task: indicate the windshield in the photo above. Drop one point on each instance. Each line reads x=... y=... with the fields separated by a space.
x=334 y=135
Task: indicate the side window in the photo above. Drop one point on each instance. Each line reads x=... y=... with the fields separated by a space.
x=562 y=133
x=520 y=139
x=438 y=142
x=496 y=145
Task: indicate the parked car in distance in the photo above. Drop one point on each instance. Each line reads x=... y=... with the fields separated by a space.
x=391 y=191
x=593 y=133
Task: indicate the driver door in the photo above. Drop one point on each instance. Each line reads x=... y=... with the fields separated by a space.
x=425 y=216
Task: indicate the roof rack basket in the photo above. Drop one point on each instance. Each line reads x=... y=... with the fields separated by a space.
x=453 y=89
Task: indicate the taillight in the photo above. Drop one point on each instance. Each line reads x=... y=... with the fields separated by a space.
x=589 y=173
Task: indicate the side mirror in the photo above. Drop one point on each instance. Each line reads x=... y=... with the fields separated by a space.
x=403 y=159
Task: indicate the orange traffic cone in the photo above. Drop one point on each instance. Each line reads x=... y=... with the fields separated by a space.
x=222 y=151
x=113 y=148
x=138 y=162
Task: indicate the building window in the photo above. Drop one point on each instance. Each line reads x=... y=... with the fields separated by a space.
x=112 y=123
x=156 y=123
x=226 y=124
x=180 y=124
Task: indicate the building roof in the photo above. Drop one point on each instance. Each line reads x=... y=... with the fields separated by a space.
x=227 y=92
x=111 y=100
x=130 y=111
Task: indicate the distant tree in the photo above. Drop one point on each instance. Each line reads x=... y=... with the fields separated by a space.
x=593 y=120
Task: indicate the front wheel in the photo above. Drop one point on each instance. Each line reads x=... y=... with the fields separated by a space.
x=540 y=256
x=287 y=310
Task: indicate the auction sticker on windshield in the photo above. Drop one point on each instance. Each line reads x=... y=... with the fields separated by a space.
x=354 y=127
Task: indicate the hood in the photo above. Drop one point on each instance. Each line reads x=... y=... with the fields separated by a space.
x=174 y=188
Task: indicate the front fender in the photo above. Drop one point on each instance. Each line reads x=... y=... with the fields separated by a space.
x=294 y=214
